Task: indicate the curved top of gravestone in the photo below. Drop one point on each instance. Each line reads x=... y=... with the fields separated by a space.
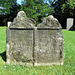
x=49 y=22
x=21 y=13
x=21 y=21
x=69 y=18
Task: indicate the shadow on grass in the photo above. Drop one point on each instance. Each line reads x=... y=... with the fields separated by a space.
x=3 y=55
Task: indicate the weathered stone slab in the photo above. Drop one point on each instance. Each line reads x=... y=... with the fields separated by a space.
x=49 y=43
x=50 y=22
x=21 y=21
x=21 y=46
x=20 y=41
x=30 y=45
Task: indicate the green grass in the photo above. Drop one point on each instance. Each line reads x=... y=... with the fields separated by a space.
x=67 y=69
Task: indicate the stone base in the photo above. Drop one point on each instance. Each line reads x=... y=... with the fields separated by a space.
x=35 y=64
x=20 y=63
x=47 y=64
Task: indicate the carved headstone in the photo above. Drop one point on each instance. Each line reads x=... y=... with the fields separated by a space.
x=49 y=42
x=9 y=23
x=69 y=23
x=41 y=45
x=20 y=40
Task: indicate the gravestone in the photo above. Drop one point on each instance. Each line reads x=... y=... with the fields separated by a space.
x=49 y=42
x=19 y=40
x=30 y=45
x=69 y=23
x=9 y=23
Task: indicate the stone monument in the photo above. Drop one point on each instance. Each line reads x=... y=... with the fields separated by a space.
x=19 y=40
x=30 y=45
x=69 y=23
x=49 y=42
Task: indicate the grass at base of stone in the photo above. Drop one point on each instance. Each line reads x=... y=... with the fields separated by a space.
x=68 y=67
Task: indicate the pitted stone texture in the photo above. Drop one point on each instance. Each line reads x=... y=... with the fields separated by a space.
x=20 y=46
x=21 y=21
x=49 y=21
x=49 y=42
x=21 y=14
x=19 y=40
x=42 y=45
x=49 y=47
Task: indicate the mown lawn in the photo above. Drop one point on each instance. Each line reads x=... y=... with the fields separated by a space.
x=67 y=69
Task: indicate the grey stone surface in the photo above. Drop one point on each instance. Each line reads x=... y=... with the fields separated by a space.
x=21 y=46
x=69 y=23
x=21 y=21
x=49 y=42
x=30 y=45
x=49 y=22
x=20 y=40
